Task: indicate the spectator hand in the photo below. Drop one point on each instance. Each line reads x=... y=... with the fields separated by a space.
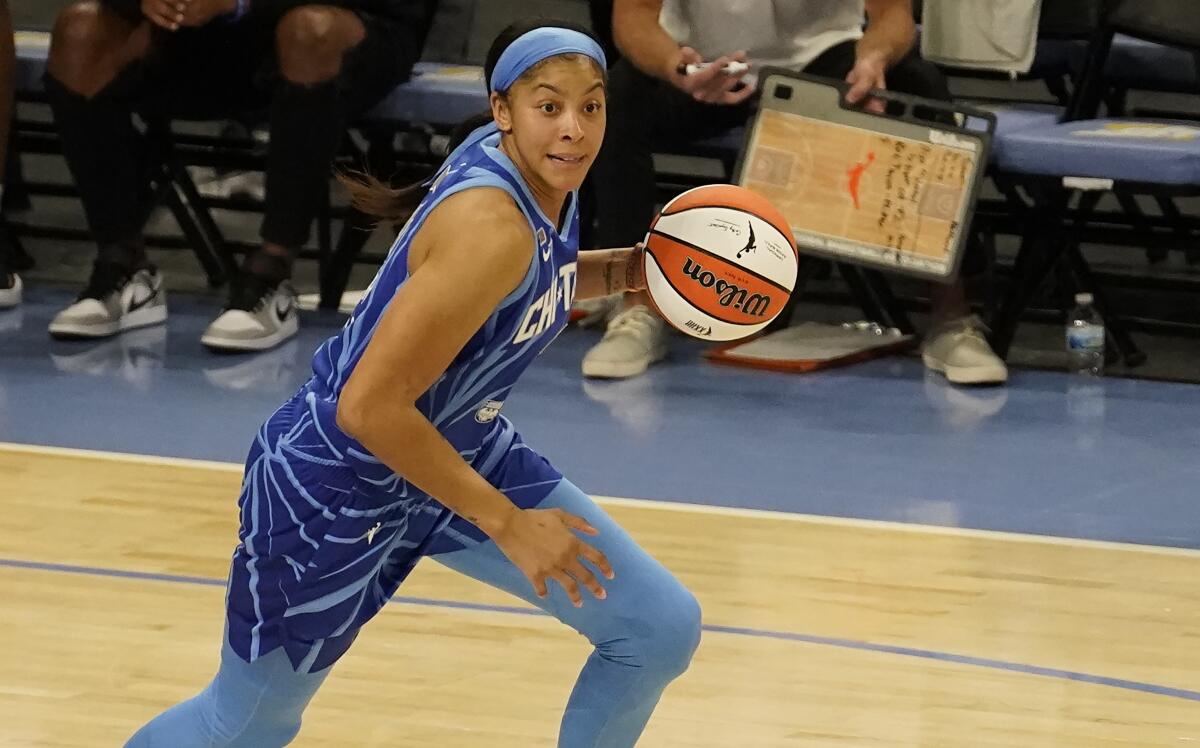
x=711 y=85
x=200 y=12
x=868 y=73
x=166 y=14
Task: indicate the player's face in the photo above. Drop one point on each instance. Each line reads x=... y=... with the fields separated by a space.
x=556 y=117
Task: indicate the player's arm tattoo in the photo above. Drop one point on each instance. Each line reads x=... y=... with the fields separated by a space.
x=612 y=279
x=633 y=263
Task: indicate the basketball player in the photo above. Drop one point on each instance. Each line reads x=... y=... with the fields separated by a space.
x=654 y=99
x=396 y=448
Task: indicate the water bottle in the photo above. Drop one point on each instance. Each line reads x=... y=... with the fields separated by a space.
x=1085 y=338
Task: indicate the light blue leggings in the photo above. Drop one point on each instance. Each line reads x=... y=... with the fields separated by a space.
x=644 y=635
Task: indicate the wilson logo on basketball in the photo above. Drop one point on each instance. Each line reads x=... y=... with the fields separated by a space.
x=729 y=294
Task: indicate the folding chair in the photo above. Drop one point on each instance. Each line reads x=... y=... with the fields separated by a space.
x=1087 y=156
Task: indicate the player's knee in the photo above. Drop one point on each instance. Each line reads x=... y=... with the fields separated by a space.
x=665 y=633
x=679 y=619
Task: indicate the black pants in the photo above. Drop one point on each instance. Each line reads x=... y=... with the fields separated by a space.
x=645 y=113
x=221 y=71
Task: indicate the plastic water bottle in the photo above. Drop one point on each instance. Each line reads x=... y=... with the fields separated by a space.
x=1085 y=338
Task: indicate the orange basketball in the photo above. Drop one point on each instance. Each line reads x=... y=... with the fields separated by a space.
x=720 y=262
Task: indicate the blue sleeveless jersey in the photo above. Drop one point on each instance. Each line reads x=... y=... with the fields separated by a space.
x=328 y=531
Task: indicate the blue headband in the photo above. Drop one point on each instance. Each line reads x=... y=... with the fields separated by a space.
x=532 y=47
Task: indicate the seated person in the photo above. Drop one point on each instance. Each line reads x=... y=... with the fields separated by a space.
x=306 y=68
x=650 y=100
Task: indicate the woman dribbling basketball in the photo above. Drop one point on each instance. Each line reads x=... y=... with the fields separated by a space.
x=396 y=449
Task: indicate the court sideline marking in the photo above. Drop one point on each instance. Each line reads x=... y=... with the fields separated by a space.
x=673 y=506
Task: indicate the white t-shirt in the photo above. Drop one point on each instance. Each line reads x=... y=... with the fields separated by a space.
x=784 y=33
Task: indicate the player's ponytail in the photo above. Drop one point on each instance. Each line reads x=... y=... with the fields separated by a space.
x=395 y=204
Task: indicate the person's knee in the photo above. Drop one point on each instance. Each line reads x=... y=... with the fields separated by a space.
x=90 y=44
x=662 y=636
x=679 y=626
x=312 y=40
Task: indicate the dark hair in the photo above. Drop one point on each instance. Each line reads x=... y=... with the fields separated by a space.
x=395 y=204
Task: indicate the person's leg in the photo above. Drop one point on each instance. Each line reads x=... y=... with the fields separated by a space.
x=330 y=64
x=94 y=76
x=955 y=344
x=272 y=664
x=306 y=120
x=644 y=632
x=247 y=705
x=642 y=112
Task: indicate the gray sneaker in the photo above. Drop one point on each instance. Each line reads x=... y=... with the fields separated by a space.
x=115 y=299
x=258 y=317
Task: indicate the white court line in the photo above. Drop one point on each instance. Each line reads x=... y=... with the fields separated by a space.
x=675 y=506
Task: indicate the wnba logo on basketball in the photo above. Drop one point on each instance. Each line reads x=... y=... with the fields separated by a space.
x=729 y=295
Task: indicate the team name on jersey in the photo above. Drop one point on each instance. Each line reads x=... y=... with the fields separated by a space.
x=542 y=313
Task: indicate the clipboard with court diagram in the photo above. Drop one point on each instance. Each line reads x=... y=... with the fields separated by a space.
x=894 y=192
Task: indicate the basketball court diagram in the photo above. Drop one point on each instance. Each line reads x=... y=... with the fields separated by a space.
x=864 y=193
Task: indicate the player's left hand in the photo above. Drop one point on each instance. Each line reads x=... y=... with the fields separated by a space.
x=201 y=12
x=869 y=72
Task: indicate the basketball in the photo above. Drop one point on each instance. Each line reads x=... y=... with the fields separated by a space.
x=720 y=262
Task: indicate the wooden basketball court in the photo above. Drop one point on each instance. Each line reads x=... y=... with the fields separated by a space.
x=818 y=631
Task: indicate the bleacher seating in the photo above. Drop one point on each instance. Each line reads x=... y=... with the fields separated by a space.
x=441 y=94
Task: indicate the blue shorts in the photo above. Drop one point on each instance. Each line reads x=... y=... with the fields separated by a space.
x=328 y=533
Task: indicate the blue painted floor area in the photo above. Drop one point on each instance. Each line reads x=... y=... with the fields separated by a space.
x=1050 y=454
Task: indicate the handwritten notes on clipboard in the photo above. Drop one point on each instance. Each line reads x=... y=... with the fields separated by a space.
x=860 y=194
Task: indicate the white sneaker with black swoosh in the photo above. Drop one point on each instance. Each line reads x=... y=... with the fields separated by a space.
x=115 y=299
x=259 y=316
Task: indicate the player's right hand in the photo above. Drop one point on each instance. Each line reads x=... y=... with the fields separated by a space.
x=542 y=543
x=712 y=85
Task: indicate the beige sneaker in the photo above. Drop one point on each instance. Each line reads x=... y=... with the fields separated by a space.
x=959 y=350
x=633 y=341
